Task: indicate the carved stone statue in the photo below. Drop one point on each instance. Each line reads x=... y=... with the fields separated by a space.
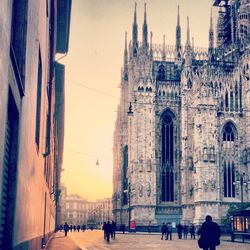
x=205 y=185
x=148 y=189
x=191 y=191
x=140 y=189
x=213 y=184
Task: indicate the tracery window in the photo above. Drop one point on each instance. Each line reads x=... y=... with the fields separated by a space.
x=229 y=132
x=226 y=101
x=229 y=179
x=240 y=96
x=229 y=135
x=231 y=99
x=161 y=73
x=167 y=174
x=236 y=97
x=125 y=175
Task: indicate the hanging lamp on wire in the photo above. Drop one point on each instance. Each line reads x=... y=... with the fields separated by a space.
x=97 y=162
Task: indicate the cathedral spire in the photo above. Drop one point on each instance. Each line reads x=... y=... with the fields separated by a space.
x=145 y=29
x=151 y=45
x=178 y=16
x=188 y=34
x=220 y=28
x=125 y=69
x=164 y=51
x=211 y=33
x=125 y=52
x=188 y=49
x=178 y=32
x=135 y=30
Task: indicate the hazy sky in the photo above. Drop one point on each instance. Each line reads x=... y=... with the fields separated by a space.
x=93 y=70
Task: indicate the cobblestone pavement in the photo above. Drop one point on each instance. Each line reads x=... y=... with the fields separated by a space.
x=93 y=240
x=60 y=242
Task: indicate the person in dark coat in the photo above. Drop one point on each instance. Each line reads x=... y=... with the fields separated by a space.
x=179 y=230
x=169 y=231
x=123 y=228
x=209 y=234
x=185 y=231
x=163 y=231
x=66 y=228
x=108 y=231
x=149 y=228
x=192 y=231
x=104 y=228
x=113 y=229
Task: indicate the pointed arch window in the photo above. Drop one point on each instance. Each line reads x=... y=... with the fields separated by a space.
x=167 y=173
x=125 y=175
x=135 y=52
x=161 y=73
x=240 y=96
x=231 y=99
x=229 y=132
x=226 y=101
x=229 y=135
x=236 y=97
x=189 y=83
x=222 y=103
x=229 y=179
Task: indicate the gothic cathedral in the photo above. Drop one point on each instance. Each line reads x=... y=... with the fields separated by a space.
x=182 y=134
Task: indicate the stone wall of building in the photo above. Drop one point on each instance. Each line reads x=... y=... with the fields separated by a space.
x=28 y=147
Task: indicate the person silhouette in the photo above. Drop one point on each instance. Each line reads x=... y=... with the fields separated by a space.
x=163 y=231
x=209 y=234
x=66 y=228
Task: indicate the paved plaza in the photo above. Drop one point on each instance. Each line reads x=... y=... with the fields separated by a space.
x=93 y=240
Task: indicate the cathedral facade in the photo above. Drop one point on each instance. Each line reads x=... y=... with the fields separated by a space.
x=182 y=134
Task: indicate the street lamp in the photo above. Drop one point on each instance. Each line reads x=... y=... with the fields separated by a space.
x=129 y=212
x=242 y=179
x=130 y=114
x=127 y=191
x=130 y=111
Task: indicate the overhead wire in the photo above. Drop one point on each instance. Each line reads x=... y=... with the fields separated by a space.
x=154 y=103
x=90 y=88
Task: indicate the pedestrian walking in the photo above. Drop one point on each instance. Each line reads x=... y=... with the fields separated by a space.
x=71 y=228
x=149 y=228
x=78 y=228
x=185 y=231
x=113 y=229
x=179 y=230
x=108 y=231
x=209 y=234
x=163 y=231
x=192 y=231
x=104 y=228
x=169 y=231
x=123 y=228
x=66 y=228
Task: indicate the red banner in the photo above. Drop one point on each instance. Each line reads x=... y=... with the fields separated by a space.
x=132 y=225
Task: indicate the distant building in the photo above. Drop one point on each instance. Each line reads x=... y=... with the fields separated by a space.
x=76 y=210
x=182 y=134
x=31 y=118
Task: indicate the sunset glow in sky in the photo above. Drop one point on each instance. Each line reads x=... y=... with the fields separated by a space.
x=93 y=70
